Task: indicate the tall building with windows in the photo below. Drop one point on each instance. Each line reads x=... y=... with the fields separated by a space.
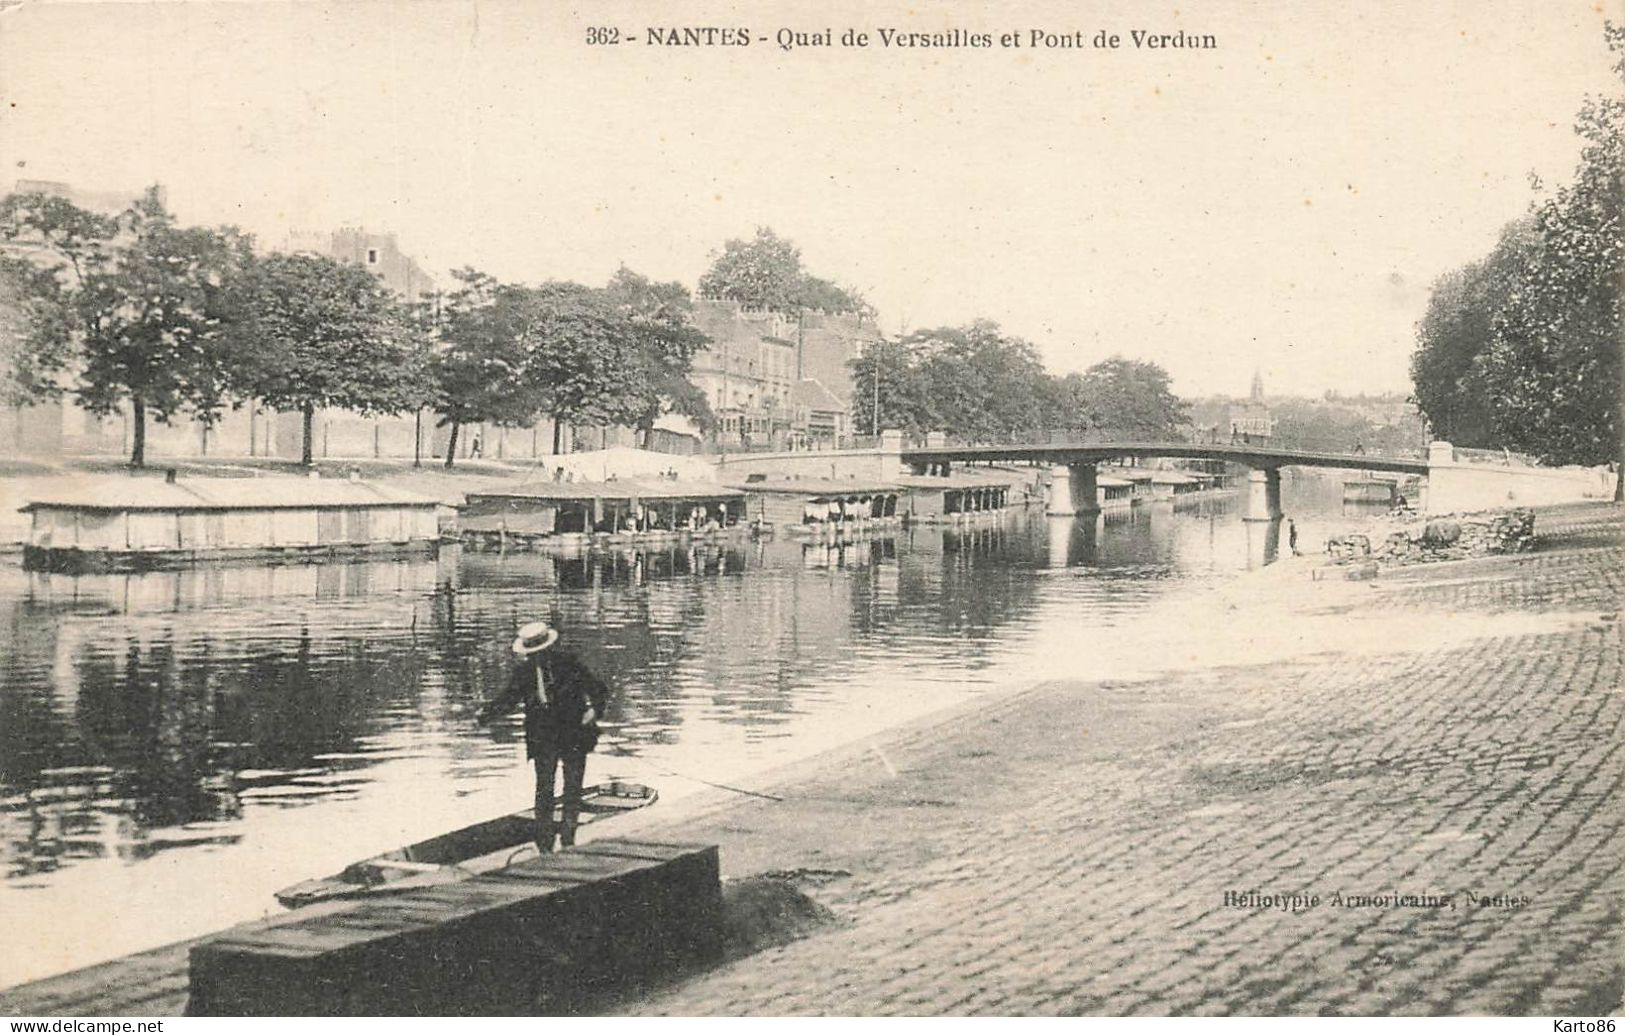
x=778 y=380
x=378 y=253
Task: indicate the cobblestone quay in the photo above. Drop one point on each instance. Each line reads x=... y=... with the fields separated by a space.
x=1416 y=811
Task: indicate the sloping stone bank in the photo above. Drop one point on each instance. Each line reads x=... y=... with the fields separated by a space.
x=1449 y=538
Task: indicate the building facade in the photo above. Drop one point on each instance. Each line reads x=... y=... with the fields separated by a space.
x=778 y=380
x=378 y=253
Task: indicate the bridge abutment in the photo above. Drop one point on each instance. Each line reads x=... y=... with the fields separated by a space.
x=1457 y=485
x=891 y=455
x=1073 y=490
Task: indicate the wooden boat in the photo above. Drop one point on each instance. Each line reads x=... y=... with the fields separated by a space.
x=439 y=860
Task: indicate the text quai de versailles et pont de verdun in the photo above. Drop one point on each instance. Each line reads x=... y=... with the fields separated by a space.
x=885 y=38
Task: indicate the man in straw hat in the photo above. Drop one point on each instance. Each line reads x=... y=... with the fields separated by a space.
x=562 y=701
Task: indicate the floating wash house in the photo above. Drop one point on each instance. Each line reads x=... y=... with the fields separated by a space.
x=813 y=506
x=133 y=524
x=820 y=505
x=967 y=495
x=622 y=510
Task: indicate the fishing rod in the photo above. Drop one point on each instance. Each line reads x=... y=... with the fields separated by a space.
x=709 y=783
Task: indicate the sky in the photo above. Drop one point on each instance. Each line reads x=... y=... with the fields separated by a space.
x=1279 y=203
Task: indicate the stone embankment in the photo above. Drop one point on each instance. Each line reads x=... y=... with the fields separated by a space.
x=1405 y=800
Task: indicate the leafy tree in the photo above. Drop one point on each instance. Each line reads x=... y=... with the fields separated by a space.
x=1068 y=403
x=580 y=358
x=479 y=374
x=1130 y=397
x=888 y=389
x=658 y=319
x=72 y=240
x=1548 y=306
x=1553 y=361
x=53 y=242
x=326 y=333
x=1446 y=371
x=1334 y=426
x=973 y=381
x=817 y=293
x=766 y=273
x=978 y=382
x=152 y=307
x=36 y=332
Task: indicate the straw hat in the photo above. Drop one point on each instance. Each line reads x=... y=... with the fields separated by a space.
x=533 y=638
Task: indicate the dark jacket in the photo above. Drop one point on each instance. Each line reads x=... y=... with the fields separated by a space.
x=571 y=689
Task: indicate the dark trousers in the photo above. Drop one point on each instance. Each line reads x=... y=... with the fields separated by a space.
x=574 y=764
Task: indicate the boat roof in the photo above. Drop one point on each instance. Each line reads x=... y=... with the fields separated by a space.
x=823 y=487
x=644 y=488
x=818 y=487
x=963 y=478
x=114 y=494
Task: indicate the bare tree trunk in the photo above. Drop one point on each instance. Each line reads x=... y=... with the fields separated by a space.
x=138 y=432
x=451 y=446
x=558 y=434
x=307 y=457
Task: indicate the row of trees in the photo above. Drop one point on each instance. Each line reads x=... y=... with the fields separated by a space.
x=1522 y=349
x=979 y=382
x=510 y=352
x=139 y=311
x=974 y=381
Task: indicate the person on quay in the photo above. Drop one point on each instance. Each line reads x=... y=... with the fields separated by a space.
x=563 y=700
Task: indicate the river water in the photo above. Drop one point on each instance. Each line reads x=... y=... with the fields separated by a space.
x=176 y=746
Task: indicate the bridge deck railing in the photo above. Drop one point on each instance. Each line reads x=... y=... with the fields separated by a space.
x=1114 y=436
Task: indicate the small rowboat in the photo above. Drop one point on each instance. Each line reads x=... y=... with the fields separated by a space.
x=439 y=860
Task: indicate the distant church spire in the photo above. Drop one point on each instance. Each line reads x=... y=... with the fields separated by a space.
x=1258 y=386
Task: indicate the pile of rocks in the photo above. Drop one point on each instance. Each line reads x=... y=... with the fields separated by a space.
x=1442 y=539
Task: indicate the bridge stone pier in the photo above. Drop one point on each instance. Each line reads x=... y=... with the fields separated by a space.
x=1263 y=494
x=1073 y=490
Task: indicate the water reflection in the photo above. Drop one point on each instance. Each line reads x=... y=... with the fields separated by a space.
x=1073 y=540
x=1263 y=542
x=261 y=724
